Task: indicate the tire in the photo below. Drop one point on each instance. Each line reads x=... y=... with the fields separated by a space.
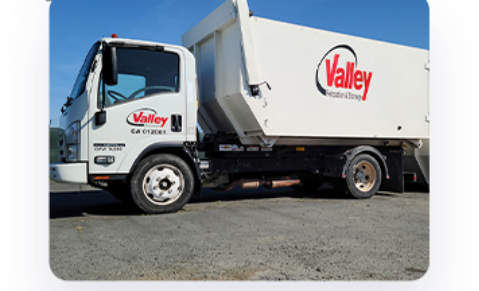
x=363 y=177
x=162 y=183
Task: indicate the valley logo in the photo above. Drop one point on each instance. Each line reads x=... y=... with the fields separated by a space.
x=146 y=117
x=338 y=72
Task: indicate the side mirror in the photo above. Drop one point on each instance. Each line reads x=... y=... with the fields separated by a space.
x=110 y=66
x=100 y=118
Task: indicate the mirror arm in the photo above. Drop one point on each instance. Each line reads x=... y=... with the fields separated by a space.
x=100 y=117
x=102 y=93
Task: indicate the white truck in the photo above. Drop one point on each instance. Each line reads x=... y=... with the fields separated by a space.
x=281 y=105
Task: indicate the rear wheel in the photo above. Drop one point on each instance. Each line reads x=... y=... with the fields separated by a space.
x=363 y=177
x=162 y=184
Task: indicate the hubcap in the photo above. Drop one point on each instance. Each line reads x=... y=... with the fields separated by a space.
x=163 y=184
x=364 y=176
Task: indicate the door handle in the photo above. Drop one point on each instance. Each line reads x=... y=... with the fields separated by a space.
x=176 y=123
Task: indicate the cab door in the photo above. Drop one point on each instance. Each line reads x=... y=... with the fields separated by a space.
x=147 y=106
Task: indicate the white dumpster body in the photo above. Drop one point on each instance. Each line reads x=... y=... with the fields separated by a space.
x=313 y=86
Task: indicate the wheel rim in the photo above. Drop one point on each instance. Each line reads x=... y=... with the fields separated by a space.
x=364 y=176
x=163 y=184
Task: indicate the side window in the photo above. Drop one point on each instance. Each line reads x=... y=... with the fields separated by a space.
x=80 y=82
x=142 y=73
x=127 y=85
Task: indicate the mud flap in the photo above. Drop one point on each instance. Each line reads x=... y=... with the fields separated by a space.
x=395 y=164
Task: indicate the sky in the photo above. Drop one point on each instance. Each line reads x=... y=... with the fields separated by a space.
x=75 y=25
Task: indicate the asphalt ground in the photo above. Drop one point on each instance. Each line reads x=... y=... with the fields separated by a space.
x=240 y=235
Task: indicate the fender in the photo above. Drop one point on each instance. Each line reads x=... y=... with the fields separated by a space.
x=350 y=154
x=157 y=147
x=337 y=163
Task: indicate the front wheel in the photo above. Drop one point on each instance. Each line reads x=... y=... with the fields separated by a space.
x=363 y=177
x=162 y=183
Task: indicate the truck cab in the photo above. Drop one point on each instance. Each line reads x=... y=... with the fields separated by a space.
x=130 y=98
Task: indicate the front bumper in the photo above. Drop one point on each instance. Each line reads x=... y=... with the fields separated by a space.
x=69 y=173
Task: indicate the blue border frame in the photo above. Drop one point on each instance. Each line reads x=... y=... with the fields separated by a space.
x=28 y=144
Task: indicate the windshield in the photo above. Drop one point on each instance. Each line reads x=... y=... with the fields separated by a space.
x=142 y=73
x=80 y=83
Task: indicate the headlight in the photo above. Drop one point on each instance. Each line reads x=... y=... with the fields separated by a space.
x=72 y=153
x=72 y=134
x=72 y=141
